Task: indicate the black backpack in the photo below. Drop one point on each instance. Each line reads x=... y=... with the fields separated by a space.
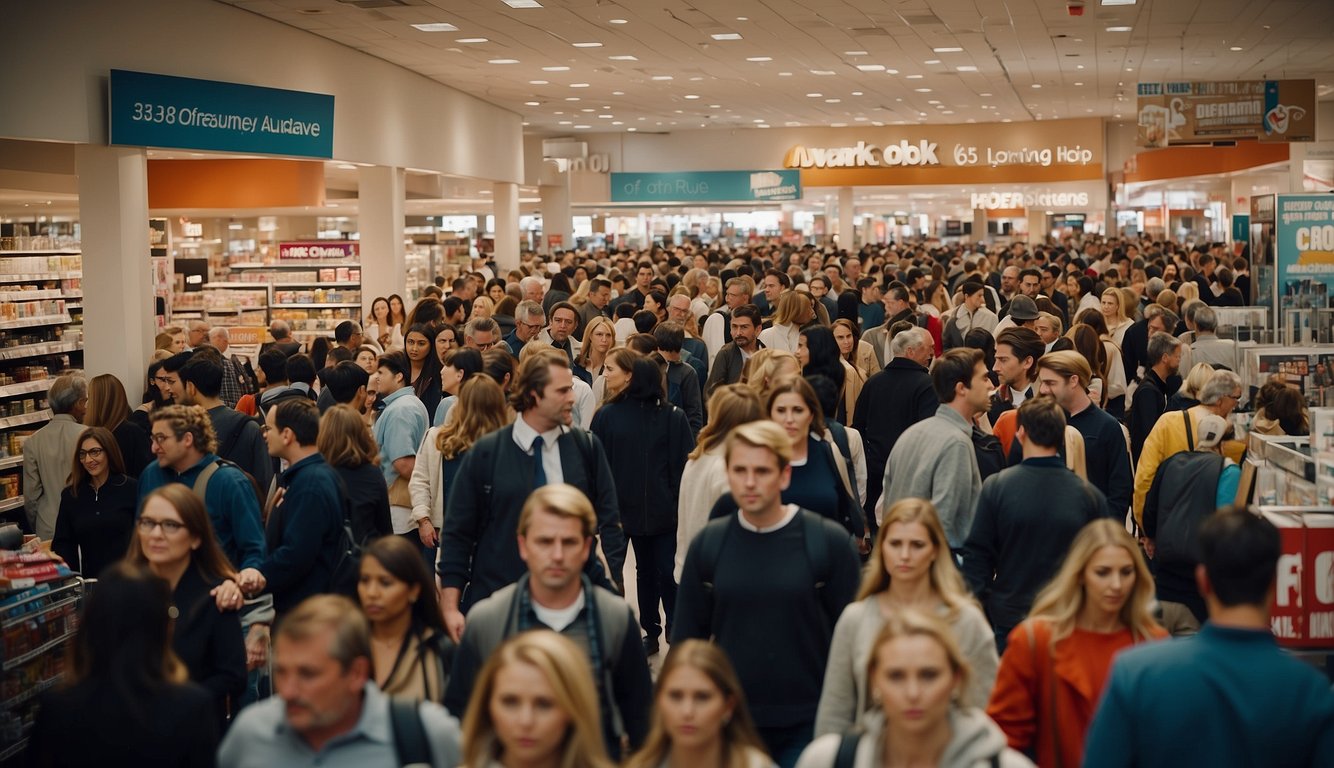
x=411 y=745
x=990 y=453
x=713 y=536
x=1184 y=492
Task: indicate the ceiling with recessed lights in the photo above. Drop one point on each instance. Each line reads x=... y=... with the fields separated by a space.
x=652 y=65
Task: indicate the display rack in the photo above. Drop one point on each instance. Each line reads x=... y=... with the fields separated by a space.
x=36 y=625
x=313 y=297
x=41 y=335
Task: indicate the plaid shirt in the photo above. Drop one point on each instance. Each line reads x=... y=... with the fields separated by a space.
x=231 y=383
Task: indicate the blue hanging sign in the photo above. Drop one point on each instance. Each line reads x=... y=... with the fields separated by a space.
x=150 y=110
x=706 y=187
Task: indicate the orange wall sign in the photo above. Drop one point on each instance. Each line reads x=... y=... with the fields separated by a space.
x=1047 y=151
x=1184 y=162
x=235 y=183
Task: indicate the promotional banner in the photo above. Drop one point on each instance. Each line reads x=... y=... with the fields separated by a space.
x=1305 y=234
x=150 y=110
x=706 y=187
x=328 y=250
x=1201 y=112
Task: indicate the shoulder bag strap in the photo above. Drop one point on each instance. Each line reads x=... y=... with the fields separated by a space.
x=1190 y=438
x=410 y=743
x=847 y=749
x=200 y=486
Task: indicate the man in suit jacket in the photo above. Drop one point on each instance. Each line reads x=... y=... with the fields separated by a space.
x=478 y=545
x=891 y=401
x=732 y=357
x=898 y=307
x=282 y=339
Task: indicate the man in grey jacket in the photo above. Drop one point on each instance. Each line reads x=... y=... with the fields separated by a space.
x=555 y=538
x=934 y=458
x=49 y=453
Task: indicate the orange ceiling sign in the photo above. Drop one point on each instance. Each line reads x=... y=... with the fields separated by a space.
x=235 y=183
x=998 y=153
x=1184 y=162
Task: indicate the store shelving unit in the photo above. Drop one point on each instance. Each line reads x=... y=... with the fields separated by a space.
x=313 y=297
x=36 y=625
x=41 y=335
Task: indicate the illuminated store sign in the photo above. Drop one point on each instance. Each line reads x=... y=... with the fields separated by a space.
x=994 y=201
x=926 y=153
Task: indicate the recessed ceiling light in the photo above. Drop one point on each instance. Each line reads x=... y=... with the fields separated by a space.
x=438 y=26
x=891 y=71
x=571 y=98
x=625 y=57
x=914 y=77
x=856 y=93
x=696 y=79
x=503 y=61
x=566 y=122
x=742 y=18
x=1130 y=69
x=726 y=36
x=578 y=85
x=1119 y=29
x=758 y=59
x=1118 y=2
x=691 y=96
x=467 y=40
x=785 y=74
x=347 y=167
x=815 y=95
x=1079 y=66
x=947 y=50
x=822 y=72
x=662 y=77
x=606 y=117
x=1078 y=84
x=1035 y=85
x=715 y=106
x=871 y=67
x=558 y=113
x=522 y=3
x=532 y=103
x=617 y=21
x=538 y=82
x=555 y=69
x=854 y=53
x=583 y=126
x=923 y=90
x=832 y=101
x=983 y=94
x=948 y=112
x=587 y=45
x=618 y=93
x=966 y=68
x=931 y=61
x=757 y=120
x=631 y=129
x=617 y=122
x=934 y=101
x=1235 y=48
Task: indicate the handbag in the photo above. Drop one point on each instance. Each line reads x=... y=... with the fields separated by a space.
x=399 y=495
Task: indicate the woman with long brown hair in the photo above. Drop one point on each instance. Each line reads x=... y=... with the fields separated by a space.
x=174 y=538
x=410 y=652
x=481 y=409
x=109 y=408
x=97 y=507
x=346 y=444
x=1054 y=667
x=700 y=718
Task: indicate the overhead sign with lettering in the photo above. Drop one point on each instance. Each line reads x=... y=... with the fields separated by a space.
x=149 y=110
x=325 y=250
x=992 y=201
x=1201 y=112
x=1305 y=235
x=706 y=187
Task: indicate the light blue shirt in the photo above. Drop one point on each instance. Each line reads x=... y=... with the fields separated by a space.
x=399 y=430
x=442 y=410
x=260 y=738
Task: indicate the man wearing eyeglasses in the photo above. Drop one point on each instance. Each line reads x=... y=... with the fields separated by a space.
x=481 y=334
x=717 y=328
x=529 y=319
x=46 y=454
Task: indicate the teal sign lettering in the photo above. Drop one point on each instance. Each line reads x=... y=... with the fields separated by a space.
x=706 y=187
x=163 y=111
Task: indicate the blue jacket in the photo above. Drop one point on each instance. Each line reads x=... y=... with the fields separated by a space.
x=232 y=507
x=303 y=533
x=1225 y=697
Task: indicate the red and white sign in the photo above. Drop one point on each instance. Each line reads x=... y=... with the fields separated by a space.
x=319 y=250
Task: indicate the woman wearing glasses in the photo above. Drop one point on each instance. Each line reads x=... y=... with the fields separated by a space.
x=97 y=507
x=175 y=540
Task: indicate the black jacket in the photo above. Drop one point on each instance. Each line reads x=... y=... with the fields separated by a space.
x=368 y=501
x=241 y=442
x=726 y=368
x=208 y=641
x=303 y=533
x=1149 y=402
x=646 y=445
x=135 y=448
x=93 y=528
x=478 y=548
x=892 y=400
x=685 y=382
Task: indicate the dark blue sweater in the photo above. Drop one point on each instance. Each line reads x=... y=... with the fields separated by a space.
x=303 y=533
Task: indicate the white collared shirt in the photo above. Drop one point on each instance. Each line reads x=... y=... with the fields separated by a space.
x=559 y=618
x=789 y=512
x=524 y=435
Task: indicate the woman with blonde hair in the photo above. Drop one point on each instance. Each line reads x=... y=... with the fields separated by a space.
x=1116 y=315
x=1188 y=396
x=918 y=679
x=1187 y=293
x=482 y=306
x=767 y=366
x=704 y=479
x=1167 y=298
x=1058 y=659
x=794 y=310
x=910 y=567
x=700 y=718
x=109 y=408
x=599 y=338
x=348 y=447
x=481 y=409
x=534 y=704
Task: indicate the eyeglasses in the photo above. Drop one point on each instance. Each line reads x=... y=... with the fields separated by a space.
x=91 y=453
x=169 y=527
x=168 y=380
x=532 y=326
x=158 y=439
x=485 y=345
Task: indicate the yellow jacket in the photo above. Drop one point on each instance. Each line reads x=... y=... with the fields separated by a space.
x=1167 y=437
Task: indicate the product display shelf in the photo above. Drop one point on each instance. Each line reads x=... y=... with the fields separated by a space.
x=41 y=329
x=313 y=297
x=36 y=625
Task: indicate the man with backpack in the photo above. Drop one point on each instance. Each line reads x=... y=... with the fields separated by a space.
x=1186 y=489
x=767 y=584
x=239 y=438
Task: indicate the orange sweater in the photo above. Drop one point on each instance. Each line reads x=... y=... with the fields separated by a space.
x=1045 y=697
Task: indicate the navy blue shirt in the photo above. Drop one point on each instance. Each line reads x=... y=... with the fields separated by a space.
x=303 y=533
x=232 y=507
x=814 y=484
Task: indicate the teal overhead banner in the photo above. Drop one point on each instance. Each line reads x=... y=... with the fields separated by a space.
x=706 y=187
x=1241 y=227
x=163 y=111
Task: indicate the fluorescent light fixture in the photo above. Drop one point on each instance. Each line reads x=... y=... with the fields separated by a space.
x=966 y=68
x=1117 y=2
x=1119 y=29
x=822 y=72
x=1078 y=84
x=727 y=36
x=854 y=53
x=931 y=61
x=832 y=101
x=1235 y=48
x=815 y=95
x=346 y=167
x=538 y=82
x=626 y=57
x=468 y=40
x=871 y=67
x=947 y=50
x=922 y=90
x=617 y=122
x=555 y=69
x=758 y=59
x=785 y=74
x=583 y=126
x=631 y=129
x=606 y=117
x=571 y=98
x=618 y=93
x=757 y=120
x=578 y=85
x=1035 y=85
x=532 y=103
x=914 y=77
x=662 y=77
x=856 y=93
x=617 y=21
x=438 y=26
x=691 y=96
x=522 y=3
x=503 y=61
x=587 y=45
x=566 y=122
x=891 y=71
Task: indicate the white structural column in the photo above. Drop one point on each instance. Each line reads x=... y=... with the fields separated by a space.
x=380 y=197
x=1038 y=227
x=556 y=220
x=117 y=273
x=847 y=221
x=506 y=199
x=979 y=225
